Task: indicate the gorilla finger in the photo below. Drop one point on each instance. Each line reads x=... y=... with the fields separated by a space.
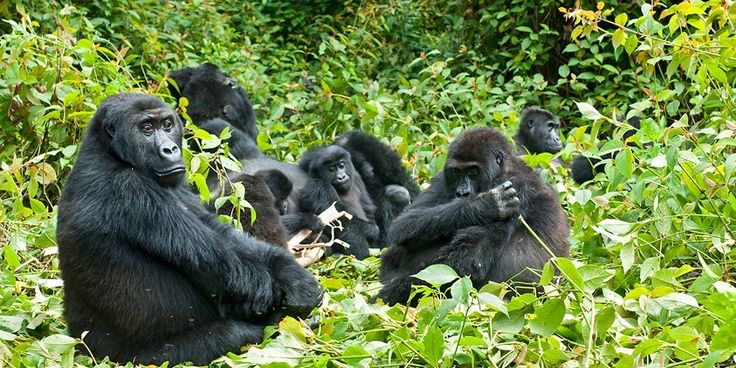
x=507 y=184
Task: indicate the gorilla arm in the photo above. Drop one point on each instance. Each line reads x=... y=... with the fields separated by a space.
x=437 y=215
x=179 y=231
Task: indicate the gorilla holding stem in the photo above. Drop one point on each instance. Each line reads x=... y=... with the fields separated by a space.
x=334 y=179
x=468 y=219
x=149 y=273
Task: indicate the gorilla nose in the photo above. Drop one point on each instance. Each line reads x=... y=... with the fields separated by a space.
x=462 y=193
x=169 y=151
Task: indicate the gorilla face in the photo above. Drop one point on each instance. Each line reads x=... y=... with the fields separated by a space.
x=542 y=131
x=147 y=135
x=333 y=166
x=468 y=179
x=474 y=163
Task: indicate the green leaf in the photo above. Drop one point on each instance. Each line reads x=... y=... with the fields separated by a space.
x=621 y=19
x=493 y=301
x=588 y=111
x=564 y=70
x=568 y=269
x=548 y=272
x=604 y=320
x=437 y=275
x=460 y=290
x=549 y=317
x=354 y=355
x=627 y=256
x=631 y=43
x=434 y=345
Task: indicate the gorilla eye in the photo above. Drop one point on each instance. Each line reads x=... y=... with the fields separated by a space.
x=167 y=124
x=341 y=165
x=147 y=128
x=332 y=168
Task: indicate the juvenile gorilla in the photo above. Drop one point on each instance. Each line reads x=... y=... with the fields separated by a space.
x=333 y=179
x=266 y=192
x=148 y=271
x=584 y=168
x=468 y=219
x=389 y=185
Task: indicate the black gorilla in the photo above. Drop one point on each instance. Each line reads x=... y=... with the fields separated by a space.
x=334 y=179
x=584 y=168
x=280 y=187
x=148 y=271
x=468 y=219
x=389 y=185
x=539 y=131
x=266 y=193
x=214 y=95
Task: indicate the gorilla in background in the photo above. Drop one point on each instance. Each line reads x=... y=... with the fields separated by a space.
x=266 y=192
x=148 y=271
x=334 y=179
x=468 y=219
x=389 y=185
x=216 y=102
x=539 y=131
x=213 y=94
x=584 y=168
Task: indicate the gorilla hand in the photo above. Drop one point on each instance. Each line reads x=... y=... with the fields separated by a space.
x=501 y=201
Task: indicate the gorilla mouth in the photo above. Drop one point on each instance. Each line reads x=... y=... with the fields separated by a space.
x=174 y=170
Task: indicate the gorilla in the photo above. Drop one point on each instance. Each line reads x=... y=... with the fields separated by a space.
x=266 y=193
x=149 y=274
x=468 y=219
x=216 y=102
x=389 y=185
x=333 y=179
x=213 y=94
x=539 y=131
x=584 y=168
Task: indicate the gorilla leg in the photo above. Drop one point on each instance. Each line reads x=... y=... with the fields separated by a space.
x=206 y=343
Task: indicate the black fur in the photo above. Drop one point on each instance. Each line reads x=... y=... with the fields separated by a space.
x=334 y=179
x=389 y=185
x=584 y=168
x=468 y=219
x=267 y=224
x=213 y=94
x=148 y=271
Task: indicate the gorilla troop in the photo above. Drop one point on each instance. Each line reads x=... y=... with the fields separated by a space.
x=149 y=273
x=334 y=179
x=468 y=219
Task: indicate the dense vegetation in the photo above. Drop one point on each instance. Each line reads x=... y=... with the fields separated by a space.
x=649 y=282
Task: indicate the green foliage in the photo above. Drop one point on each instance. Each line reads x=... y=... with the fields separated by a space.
x=649 y=279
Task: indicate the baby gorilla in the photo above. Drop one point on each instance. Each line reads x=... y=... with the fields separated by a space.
x=468 y=219
x=266 y=192
x=333 y=179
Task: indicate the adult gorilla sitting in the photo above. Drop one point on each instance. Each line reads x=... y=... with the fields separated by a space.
x=149 y=273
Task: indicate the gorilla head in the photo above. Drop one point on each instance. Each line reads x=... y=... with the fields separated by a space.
x=332 y=165
x=474 y=161
x=279 y=185
x=213 y=94
x=539 y=131
x=145 y=133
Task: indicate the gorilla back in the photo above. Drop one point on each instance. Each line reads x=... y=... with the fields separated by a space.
x=148 y=271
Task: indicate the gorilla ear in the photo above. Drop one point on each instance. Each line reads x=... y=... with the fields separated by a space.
x=530 y=123
x=499 y=157
x=110 y=129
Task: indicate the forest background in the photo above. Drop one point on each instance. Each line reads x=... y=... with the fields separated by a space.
x=649 y=280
